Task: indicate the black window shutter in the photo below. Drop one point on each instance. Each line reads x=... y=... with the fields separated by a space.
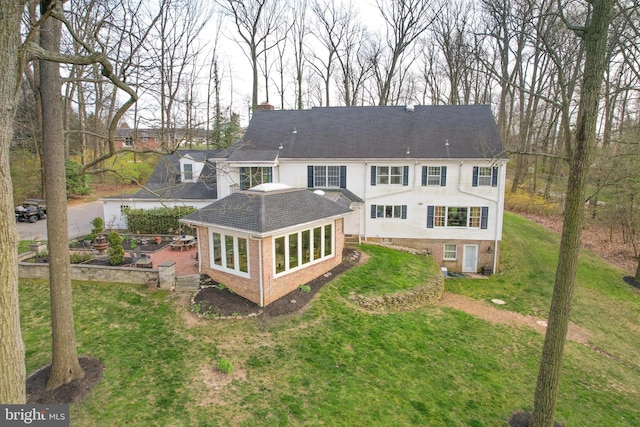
x=373 y=211
x=343 y=177
x=404 y=212
x=309 y=176
x=443 y=176
x=475 y=176
x=405 y=175
x=484 y=218
x=243 y=178
x=494 y=176
x=430 y=214
x=424 y=175
x=373 y=175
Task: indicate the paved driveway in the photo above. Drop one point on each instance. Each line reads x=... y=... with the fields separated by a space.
x=79 y=217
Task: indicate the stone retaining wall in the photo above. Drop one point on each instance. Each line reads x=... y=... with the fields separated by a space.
x=425 y=295
x=165 y=273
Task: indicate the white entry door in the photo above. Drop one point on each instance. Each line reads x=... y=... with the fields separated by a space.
x=470 y=259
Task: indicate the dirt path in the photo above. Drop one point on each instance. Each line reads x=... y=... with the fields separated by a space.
x=485 y=311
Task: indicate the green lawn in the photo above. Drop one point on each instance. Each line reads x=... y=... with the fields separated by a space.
x=336 y=365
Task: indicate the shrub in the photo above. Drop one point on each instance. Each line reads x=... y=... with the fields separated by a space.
x=305 y=288
x=80 y=258
x=523 y=201
x=115 y=251
x=224 y=365
x=158 y=220
x=98 y=228
x=77 y=182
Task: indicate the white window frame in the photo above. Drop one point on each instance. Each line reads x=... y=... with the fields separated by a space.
x=265 y=173
x=474 y=215
x=389 y=211
x=324 y=254
x=234 y=250
x=441 y=217
x=450 y=248
x=386 y=175
x=434 y=178
x=485 y=176
x=326 y=176
x=187 y=175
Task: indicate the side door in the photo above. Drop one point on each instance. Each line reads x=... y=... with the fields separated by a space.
x=470 y=259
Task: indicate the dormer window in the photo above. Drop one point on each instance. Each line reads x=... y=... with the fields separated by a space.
x=187 y=172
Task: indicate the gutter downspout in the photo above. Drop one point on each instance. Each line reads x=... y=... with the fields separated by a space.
x=364 y=211
x=496 y=201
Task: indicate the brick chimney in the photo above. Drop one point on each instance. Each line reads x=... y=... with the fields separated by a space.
x=265 y=106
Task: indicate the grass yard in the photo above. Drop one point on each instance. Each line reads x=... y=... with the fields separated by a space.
x=336 y=365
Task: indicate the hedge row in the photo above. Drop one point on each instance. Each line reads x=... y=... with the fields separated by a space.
x=158 y=220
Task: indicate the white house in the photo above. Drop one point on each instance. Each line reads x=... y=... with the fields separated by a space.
x=426 y=177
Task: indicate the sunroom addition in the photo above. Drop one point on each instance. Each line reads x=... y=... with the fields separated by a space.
x=264 y=242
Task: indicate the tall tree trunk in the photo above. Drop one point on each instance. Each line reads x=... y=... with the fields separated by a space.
x=595 y=38
x=12 y=368
x=65 y=366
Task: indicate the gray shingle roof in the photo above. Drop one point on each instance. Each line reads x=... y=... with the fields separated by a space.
x=249 y=155
x=390 y=132
x=165 y=184
x=263 y=212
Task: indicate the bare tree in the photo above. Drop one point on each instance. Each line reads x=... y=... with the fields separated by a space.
x=299 y=33
x=65 y=366
x=255 y=21
x=450 y=29
x=405 y=21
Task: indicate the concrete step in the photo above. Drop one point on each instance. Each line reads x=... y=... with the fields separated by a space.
x=188 y=283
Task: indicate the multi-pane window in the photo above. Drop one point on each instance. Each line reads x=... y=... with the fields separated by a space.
x=433 y=175
x=474 y=216
x=457 y=216
x=303 y=247
x=450 y=252
x=128 y=141
x=229 y=252
x=389 y=211
x=439 y=216
x=389 y=175
x=252 y=176
x=326 y=176
x=484 y=176
x=187 y=172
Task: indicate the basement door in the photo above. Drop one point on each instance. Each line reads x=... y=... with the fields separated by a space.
x=470 y=259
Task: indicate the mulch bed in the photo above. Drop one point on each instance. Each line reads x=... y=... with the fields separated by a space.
x=222 y=302
x=74 y=391
x=103 y=260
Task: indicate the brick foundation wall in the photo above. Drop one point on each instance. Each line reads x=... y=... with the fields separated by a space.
x=274 y=288
x=435 y=248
